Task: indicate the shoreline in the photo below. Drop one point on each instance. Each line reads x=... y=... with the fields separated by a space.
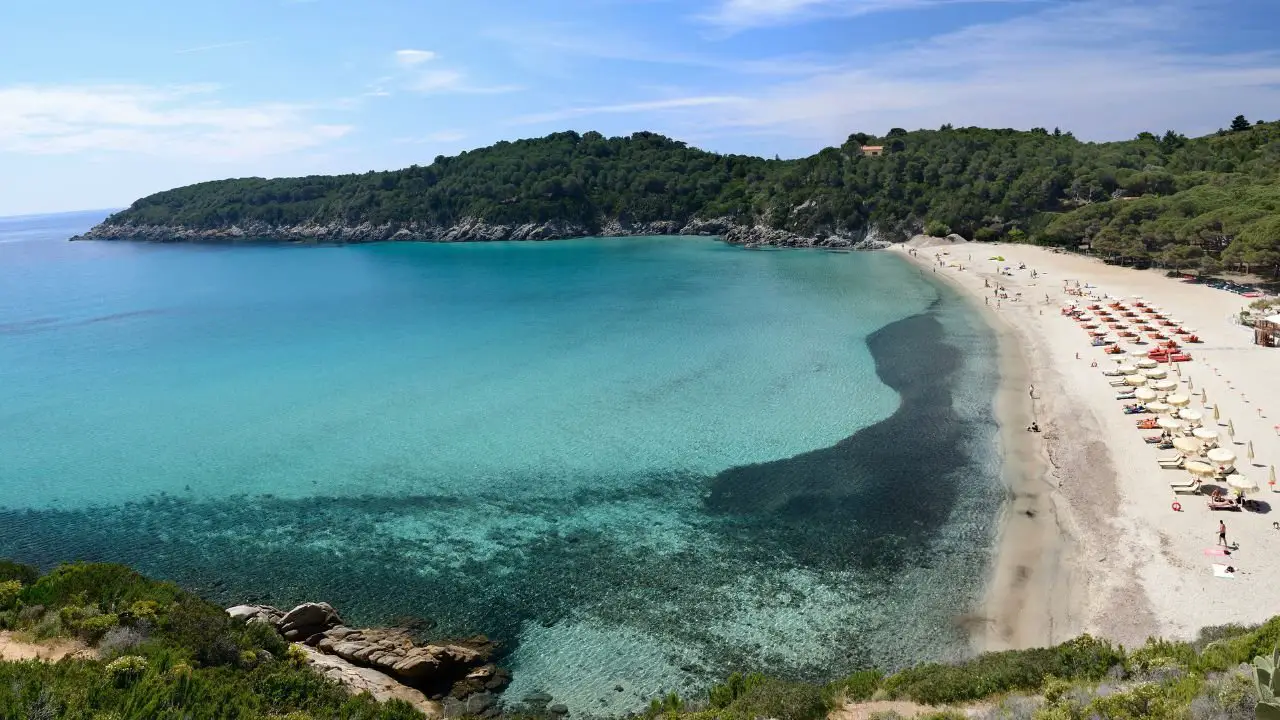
x=1025 y=604
x=1143 y=560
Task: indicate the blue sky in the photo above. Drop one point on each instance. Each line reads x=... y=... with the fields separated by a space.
x=103 y=102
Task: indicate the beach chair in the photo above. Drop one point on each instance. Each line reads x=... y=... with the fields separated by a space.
x=1228 y=505
x=1117 y=383
x=1191 y=487
x=1171 y=462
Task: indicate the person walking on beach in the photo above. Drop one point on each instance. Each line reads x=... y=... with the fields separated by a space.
x=1222 y=533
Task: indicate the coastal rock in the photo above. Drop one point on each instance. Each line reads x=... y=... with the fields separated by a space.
x=256 y=613
x=472 y=229
x=461 y=668
x=361 y=679
x=308 y=619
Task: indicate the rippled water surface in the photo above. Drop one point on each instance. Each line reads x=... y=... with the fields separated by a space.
x=638 y=462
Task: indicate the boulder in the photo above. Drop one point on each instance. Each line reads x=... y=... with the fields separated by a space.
x=308 y=619
x=256 y=613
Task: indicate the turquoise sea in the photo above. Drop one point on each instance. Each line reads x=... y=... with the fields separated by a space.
x=638 y=462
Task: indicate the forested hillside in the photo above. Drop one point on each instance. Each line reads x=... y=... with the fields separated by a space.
x=1188 y=203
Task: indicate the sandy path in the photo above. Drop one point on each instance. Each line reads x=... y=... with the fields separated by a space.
x=1133 y=566
x=14 y=649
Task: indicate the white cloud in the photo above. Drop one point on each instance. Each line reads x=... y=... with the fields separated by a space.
x=421 y=74
x=626 y=108
x=172 y=122
x=742 y=14
x=1105 y=69
x=410 y=58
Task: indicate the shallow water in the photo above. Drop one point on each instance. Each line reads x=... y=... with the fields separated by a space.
x=638 y=462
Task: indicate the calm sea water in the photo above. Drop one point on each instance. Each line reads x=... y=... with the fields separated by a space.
x=639 y=462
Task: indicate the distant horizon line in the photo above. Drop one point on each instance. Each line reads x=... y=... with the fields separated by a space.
x=31 y=216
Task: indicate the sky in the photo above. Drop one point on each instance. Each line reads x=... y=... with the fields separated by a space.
x=102 y=102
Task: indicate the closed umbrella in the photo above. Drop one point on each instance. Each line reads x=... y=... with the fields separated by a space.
x=1187 y=445
x=1216 y=413
x=1178 y=400
x=1204 y=396
x=1177 y=369
x=1249 y=452
x=1190 y=385
x=1201 y=469
x=1239 y=482
x=1160 y=407
x=1231 y=430
x=1144 y=394
x=1168 y=423
x=1271 y=476
x=1135 y=380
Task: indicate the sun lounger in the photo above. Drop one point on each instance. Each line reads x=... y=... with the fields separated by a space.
x=1118 y=383
x=1173 y=462
x=1229 y=505
x=1190 y=485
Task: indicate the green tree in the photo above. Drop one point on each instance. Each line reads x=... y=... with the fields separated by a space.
x=1239 y=124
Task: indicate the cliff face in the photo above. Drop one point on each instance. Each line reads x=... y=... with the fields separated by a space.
x=478 y=230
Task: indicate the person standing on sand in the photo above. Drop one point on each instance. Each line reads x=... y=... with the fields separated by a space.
x=1222 y=533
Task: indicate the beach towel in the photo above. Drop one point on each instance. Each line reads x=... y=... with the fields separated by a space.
x=1216 y=551
x=1221 y=571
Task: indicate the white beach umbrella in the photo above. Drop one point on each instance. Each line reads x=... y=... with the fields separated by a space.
x=1155 y=373
x=1147 y=363
x=1138 y=354
x=1164 y=385
x=1168 y=423
x=1206 y=434
x=1236 y=481
x=1202 y=469
x=1135 y=380
x=1144 y=394
x=1126 y=369
x=1187 y=446
x=1221 y=456
x=1178 y=400
x=1189 y=415
x=1159 y=407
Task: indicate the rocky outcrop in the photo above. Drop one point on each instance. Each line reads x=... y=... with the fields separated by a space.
x=457 y=668
x=361 y=679
x=478 y=230
x=363 y=659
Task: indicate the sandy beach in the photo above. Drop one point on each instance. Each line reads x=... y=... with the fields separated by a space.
x=1090 y=541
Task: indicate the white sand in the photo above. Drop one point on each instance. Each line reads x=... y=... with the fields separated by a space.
x=1111 y=557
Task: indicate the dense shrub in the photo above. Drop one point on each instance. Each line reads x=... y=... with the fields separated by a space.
x=992 y=673
x=9 y=591
x=858 y=686
x=24 y=574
